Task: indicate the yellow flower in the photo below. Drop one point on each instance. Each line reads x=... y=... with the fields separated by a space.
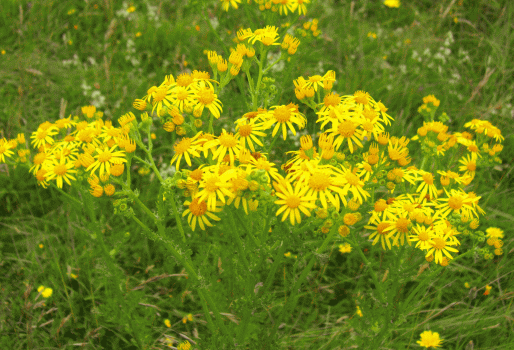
x=226 y=142
x=59 y=170
x=293 y=201
x=285 y=116
x=105 y=158
x=5 y=150
x=198 y=211
x=45 y=292
x=345 y=248
x=214 y=186
x=248 y=130
x=430 y=339
x=89 y=111
x=186 y=147
x=205 y=97
x=494 y=232
x=167 y=323
x=226 y=4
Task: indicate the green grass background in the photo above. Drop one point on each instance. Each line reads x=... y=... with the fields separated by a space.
x=50 y=69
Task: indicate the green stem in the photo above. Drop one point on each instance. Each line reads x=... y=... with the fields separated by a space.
x=357 y=247
x=293 y=299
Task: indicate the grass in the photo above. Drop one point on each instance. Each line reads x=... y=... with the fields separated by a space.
x=50 y=69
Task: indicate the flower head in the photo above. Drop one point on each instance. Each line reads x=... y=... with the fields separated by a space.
x=430 y=339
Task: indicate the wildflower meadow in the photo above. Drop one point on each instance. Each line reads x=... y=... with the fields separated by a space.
x=267 y=174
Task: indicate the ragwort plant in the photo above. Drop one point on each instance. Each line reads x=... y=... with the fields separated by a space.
x=228 y=209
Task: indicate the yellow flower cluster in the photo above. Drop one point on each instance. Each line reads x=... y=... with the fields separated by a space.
x=68 y=147
x=281 y=6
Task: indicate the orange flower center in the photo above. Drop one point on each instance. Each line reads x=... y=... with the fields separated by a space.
x=319 y=181
x=439 y=243
x=381 y=227
x=471 y=166
x=196 y=174
x=198 y=208
x=211 y=184
x=245 y=130
x=352 y=179
x=60 y=169
x=423 y=235
x=428 y=178
x=104 y=156
x=227 y=140
x=182 y=146
x=160 y=94
x=346 y=128
x=205 y=96
x=293 y=201
x=402 y=225
x=455 y=202
x=282 y=114
x=182 y=94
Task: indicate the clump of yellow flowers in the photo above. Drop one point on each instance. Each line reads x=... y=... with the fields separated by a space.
x=351 y=174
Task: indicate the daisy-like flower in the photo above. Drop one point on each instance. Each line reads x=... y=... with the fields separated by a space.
x=494 y=232
x=248 y=130
x=105 y=158
x=267 y=35
x=422 y=235
x=354 y=185
x=392 y=3
x=469 y=165
x=198 y=211
x=204 y=96
x=226 y=142
x=430 y=339
x=5 y=150
x=302 y=9
x=345 y=248
x=262 y=163
x=60 y=170
x=458 y=201
x=64 y=123
x=399 y=227
x=381 y=234
x=441 y=245
x=42 y=136
x=283 y=117
x=322 y=182
x=214 y=186
x=349 y=130
x=225 y=4
x=293 y=201
x=186 y=148
x=89 y=111
x=427 y=184
x=180 y=96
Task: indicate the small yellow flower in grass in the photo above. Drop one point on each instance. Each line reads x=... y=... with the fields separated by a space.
x=225 y=4
x=293 y=201
x=105 y=158
x=45 y=292
x=198 y=211
x=3 y=52
x=184 y=346
x=283 y=117
x=430 y=339
x=345 y=248
x=467 y=285
x=487 y=289
x=41 y=246
x=167 y=323
x=359 y=312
